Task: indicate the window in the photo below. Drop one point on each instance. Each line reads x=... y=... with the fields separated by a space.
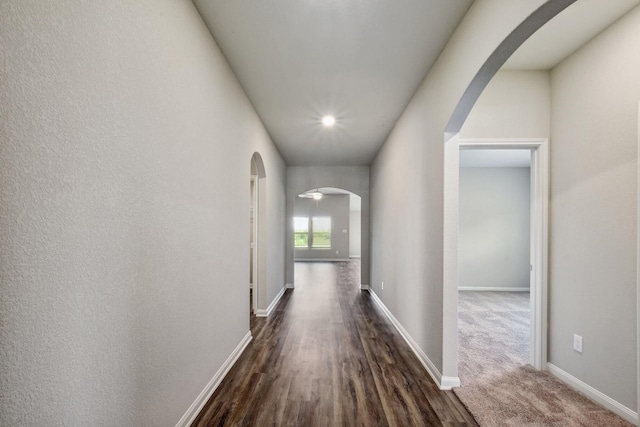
x=301 y=232
x=314 y=234
x=321 y=232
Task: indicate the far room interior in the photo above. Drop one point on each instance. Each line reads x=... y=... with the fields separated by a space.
x=327 y=225
x=494 y=304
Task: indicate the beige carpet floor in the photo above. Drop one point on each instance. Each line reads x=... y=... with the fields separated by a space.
x=498 y=386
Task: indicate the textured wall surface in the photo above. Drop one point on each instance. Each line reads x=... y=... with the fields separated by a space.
x=407 y=186
x=514 y=104
x=494 y=227
x=125 y=144
x=593 y=219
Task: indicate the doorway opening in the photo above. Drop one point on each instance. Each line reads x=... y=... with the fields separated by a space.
x=257 y=255
x=494 y=262
x=327 y=225
x=252 y=243
x=522 y=259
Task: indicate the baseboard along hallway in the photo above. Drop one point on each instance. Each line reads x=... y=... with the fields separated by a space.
x=328 y=356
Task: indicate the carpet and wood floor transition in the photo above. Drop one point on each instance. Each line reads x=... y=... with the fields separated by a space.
x=498 y=385
x=327 y=356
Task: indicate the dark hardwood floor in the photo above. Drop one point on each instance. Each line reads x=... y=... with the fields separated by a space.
x=327 y=356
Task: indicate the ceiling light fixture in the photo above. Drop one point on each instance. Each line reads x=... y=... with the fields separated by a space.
x=312 y=194
x=328 y=121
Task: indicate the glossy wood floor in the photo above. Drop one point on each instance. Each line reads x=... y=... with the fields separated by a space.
x=327 y=356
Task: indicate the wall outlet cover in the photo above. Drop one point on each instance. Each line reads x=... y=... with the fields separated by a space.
x=577 y=343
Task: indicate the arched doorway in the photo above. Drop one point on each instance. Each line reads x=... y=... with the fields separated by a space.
x=451 y=185
x=327 y=225
x=257 y=256
x=354 y=179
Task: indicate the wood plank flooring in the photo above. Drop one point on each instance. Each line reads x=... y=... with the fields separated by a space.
x=328 y=356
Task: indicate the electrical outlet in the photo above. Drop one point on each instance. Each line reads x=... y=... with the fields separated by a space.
x=383 y=286
x=577 y=343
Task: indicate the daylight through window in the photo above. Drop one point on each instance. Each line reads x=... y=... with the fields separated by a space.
x=301 y=232
x=321 y=232
x=314 y=233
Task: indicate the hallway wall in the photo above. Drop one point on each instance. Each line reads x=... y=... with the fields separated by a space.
x=593 y=218
x=407 y=188
x=515 y=104
x=588 y=107
x=125 y=148
x=591 y=104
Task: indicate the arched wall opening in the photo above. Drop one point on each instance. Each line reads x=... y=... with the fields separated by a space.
x=327 y=225
x=463 y=107
x=354 y=179
x=257 y=246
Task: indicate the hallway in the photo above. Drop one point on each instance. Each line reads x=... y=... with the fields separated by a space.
x=328 y=356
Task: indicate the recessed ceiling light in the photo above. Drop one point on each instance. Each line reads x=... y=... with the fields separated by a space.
x=328 y=121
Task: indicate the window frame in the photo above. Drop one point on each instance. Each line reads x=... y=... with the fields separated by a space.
x=310 y=233
x=313 y=232
x=304 y=233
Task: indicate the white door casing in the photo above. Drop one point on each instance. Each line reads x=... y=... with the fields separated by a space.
x=538 y=252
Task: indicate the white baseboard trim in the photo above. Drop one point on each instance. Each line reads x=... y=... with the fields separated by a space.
x=321 y=259
x=492 y=289
x=289 y=285
x=444 y=383
x=594 y=394
x=448 y=383
x=274 y=303
x=364 y=287
x=195 y=408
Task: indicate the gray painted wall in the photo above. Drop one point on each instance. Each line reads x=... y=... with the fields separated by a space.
x=494 y=227
x=124 y=161
x=515 y=104
x=593 y=123
x=352 y=178
x=337 y=208
x=592 y=276
x=407 y=186
x=355 y=234
x=119 y=244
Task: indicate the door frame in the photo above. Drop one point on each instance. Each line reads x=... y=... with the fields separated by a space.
x=539 y=234
x=638 y=274
x=254 y=248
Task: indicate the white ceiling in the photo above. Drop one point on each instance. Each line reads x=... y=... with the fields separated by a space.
x=568 y=31
x=360 y=61
x=481 y=158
